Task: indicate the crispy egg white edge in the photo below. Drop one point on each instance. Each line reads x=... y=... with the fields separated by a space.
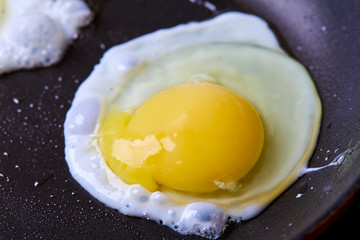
x=88 y=107
x=36 y=33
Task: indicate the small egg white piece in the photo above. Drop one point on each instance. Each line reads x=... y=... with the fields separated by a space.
x=131 y=133
x=36 y=33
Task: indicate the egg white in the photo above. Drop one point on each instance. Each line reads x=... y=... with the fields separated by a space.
x=36 y=33
x=251 y=63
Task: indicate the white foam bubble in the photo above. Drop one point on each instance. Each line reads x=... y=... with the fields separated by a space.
x=36 y=33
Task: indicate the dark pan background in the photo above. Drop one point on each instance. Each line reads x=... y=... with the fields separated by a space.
x=323 y=35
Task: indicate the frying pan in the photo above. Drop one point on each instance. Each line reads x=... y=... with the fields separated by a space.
x=40 y=199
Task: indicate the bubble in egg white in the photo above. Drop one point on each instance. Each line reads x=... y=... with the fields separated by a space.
x=36 y=33
x=84 y=117
x=130 y=73
x=203 y=218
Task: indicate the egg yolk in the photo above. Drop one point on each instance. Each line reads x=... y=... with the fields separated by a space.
x=195 y=138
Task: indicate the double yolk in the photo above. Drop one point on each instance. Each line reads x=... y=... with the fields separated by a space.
x=197 y=137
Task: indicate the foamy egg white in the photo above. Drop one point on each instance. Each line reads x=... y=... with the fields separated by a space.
x=35 y=33
x=235 y=50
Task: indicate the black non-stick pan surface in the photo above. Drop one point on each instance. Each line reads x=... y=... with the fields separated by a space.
x=40 y=199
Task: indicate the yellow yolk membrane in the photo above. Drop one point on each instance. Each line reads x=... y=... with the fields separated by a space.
x=197 y=137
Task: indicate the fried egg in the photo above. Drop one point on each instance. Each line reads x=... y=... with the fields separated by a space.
x=36 y=33
x=193 y=125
